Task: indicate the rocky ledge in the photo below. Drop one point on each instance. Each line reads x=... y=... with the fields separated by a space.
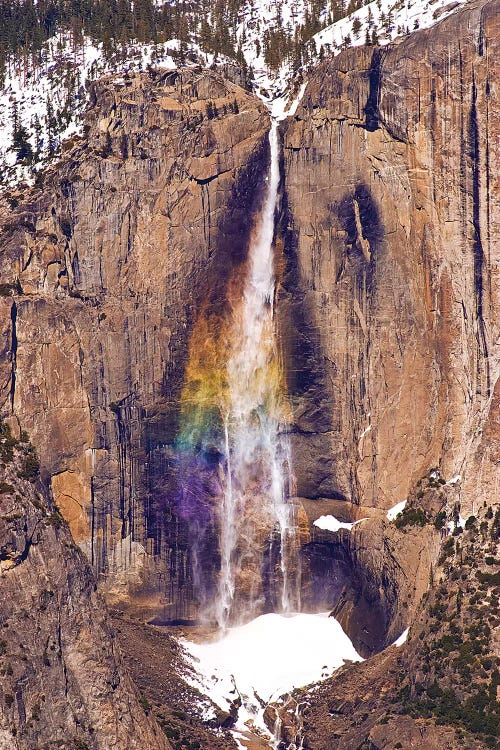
x=63 y=681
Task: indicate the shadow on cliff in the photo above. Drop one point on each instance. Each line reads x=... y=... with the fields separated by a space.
x=317 y=383
x=337 y=577
x=335 y=574
x=307 y=370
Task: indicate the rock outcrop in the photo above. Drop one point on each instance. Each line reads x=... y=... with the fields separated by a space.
x=63 y=681
x=438 y=689
x=389 y=304
x=359 y=708
x=390 y=297
x=105 y=268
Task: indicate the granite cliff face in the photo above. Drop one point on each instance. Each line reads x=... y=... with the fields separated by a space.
x=390 y=239
x=109 y=263
x=390 y=298
x=387 y=308
x=63 y=681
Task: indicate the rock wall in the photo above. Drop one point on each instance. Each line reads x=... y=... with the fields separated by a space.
x=390 y=301
x=389 y=307
x=63 y=681
x=104 y=268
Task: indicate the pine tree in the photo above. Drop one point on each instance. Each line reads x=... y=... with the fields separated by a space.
x=15 y=116
x=50 y=127
x=20 y=138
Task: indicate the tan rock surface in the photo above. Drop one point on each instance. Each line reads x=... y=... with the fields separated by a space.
x=109 y=264
x=63 y=680
x=389 y=306
x=391 y=242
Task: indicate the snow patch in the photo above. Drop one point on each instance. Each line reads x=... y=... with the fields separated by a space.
x=365 y=432
x=48 y=96
x=402 y=638
x=280 y=107
x=396 y=510
x=266 y=658
x=293 y=107
x=455 y=524
x=330 y=523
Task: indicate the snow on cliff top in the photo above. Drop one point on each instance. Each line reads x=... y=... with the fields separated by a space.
x=48 y=98
x=391 y=19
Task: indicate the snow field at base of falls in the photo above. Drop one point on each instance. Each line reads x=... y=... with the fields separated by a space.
x=266 y=658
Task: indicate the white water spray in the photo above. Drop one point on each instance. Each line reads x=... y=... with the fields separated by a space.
x=257 y=472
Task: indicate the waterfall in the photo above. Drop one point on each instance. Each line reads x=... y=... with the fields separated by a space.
x=296 y=726
x=257 y=475
x=276 y=739
x=231 y=472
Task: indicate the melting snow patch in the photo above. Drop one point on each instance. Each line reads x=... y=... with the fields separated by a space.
x=330 y=523
x=293 y=107
x=456 y=523
x=402 y=638
x=266 y=658
x=281 y=108
x=396 y=510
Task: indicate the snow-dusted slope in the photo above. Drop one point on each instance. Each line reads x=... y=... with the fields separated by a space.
x=42 y=100
x=387 y=18
x=261 y=17
x=47 y=97
x=380 y=21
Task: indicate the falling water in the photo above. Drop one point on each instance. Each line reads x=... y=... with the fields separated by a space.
x=297 y=727
x=256 y=482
